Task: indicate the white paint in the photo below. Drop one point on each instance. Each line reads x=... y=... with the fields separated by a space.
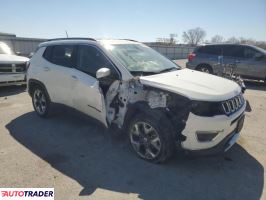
x=221 y=123
x=76 y=89
x=12 y=59
x=194 y=85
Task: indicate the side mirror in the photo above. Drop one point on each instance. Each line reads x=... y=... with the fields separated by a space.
x=18 y=53
x=103 y=72
x=258 y=56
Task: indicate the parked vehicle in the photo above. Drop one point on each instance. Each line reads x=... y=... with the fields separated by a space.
x=127 y=85
x=250 y=60
x=12 y=67
x=229 y=73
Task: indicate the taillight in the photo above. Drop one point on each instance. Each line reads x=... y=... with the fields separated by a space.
x=191 y=56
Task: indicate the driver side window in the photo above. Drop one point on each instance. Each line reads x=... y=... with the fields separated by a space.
x=91 y=59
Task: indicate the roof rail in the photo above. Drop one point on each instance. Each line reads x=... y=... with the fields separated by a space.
x=71 y=38
x=130 y=40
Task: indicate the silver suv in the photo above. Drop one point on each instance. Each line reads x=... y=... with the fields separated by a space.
x=250 y=60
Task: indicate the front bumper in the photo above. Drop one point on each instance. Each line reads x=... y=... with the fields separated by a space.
x=228 y=128
x=7 y=79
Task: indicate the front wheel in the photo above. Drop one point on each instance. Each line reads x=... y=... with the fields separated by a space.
x=151 y=138
x=40 y=101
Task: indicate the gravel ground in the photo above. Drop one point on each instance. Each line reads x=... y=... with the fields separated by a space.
x=81 y=160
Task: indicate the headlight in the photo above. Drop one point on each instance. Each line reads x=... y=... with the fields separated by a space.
x=206 y=109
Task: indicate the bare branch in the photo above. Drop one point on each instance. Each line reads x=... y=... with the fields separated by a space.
x=194 y=36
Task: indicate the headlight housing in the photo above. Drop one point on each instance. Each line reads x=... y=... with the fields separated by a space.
x=206 y=109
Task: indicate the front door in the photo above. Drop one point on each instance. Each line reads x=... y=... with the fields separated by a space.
x=250 y=65
x=88 y=92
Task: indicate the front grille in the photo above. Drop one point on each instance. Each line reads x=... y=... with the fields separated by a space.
x=233 y=105
x=12 y=68
x=21 y=67
x=5 y=68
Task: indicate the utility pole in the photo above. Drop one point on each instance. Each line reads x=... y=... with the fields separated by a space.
x=66 y=34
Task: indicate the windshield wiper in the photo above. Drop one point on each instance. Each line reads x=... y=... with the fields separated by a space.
x=141 y=73
x=168 y=69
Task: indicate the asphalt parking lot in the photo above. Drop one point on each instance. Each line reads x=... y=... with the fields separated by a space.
x=82 y=160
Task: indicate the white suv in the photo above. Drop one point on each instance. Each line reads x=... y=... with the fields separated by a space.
x=127 y=85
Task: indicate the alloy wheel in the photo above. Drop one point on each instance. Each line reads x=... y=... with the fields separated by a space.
x=205 y=69
x=39 y=101
x=145 y=140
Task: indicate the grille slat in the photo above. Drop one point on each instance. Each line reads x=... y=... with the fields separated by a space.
x=232 y=105
x=12 y=68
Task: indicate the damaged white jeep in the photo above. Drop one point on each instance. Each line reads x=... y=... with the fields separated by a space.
x=127 y=85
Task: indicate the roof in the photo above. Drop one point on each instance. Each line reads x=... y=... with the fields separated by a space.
x=7 y=34
x=221 y=44
x=58 y=41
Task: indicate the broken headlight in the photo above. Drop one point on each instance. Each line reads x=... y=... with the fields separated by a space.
x=206 y=109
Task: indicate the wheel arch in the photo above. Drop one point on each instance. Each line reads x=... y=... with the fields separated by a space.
x=32 y=83
x=142 y=107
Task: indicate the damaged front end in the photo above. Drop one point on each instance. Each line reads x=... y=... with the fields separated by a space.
x=125 y=99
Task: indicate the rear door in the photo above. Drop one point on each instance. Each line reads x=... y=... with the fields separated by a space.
x=88 y=92
x=209 y=54
x=57 y=72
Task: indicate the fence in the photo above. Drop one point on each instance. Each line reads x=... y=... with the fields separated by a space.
x=27 y=45
x=172 y=52
x=22 y=45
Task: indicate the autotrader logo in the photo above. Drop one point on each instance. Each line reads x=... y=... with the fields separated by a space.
x=26 y=193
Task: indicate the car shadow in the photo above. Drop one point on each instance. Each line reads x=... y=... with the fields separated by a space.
x=83 y=150
x=255 y=85
x=11 y=90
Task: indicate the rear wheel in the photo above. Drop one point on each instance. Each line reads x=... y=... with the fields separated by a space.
x=205 y=68
x=40 y=101
x=150 y=138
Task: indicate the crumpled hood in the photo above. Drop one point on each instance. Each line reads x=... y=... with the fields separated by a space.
x=12 y=59
x=194 y=85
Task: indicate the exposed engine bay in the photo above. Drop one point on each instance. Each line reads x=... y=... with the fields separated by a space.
x=123 y=95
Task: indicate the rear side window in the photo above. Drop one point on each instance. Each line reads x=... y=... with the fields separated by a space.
x=212 y=49
x=48 y=53
x=249 y=52
x=62 y=55
x=233 y=51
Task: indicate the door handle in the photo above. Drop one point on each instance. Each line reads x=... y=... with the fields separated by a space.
x=46 y=69
x=74 y=77
x=237 y=61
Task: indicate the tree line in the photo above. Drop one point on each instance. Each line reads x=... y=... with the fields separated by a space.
x=196 y=36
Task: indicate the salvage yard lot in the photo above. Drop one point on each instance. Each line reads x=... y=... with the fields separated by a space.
x=82 y=160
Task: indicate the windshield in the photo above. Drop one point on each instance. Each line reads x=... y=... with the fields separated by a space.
x=140 y=59
x=5 y=49
x=260 y=49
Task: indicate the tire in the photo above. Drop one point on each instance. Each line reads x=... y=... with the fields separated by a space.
x=151 y=137
x=40 y=101
x=205 y=68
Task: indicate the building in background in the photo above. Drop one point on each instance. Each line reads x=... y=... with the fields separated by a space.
x=25 y=46
x=20 y=45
